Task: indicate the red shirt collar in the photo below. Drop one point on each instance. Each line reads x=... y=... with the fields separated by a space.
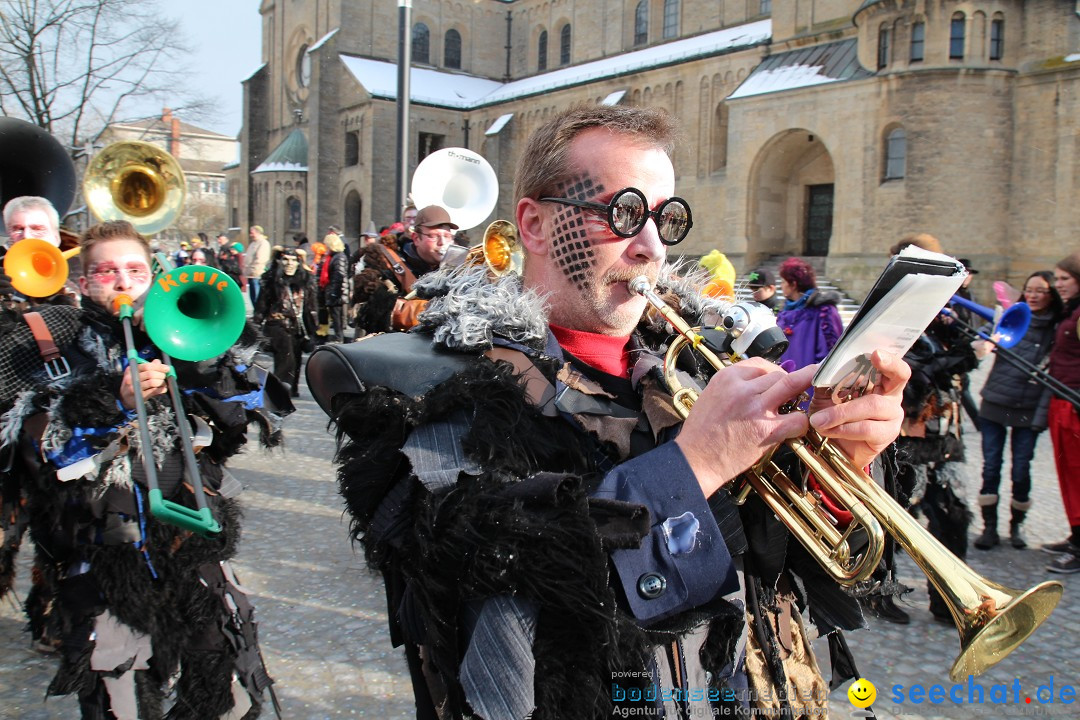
x=607 y=353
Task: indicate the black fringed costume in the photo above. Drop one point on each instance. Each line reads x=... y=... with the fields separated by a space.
x=287 y=309
x=132 y=600
x=546 y=552
x=385 y=275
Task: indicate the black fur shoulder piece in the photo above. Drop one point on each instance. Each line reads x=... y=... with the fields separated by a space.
x=507 y=433
x=467 y=308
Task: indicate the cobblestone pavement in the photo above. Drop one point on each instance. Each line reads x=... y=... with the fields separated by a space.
x=323 y=618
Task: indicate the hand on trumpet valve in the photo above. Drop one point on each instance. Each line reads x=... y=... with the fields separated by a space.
x=738 y=418
x=865 y=425
x=152 y=377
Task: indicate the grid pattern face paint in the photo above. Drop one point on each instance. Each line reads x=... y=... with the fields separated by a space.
x=570 y=245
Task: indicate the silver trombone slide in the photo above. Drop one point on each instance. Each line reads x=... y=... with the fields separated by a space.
x=200 y=520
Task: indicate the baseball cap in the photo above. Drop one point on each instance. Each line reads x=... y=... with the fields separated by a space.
x=760 y=278
x=432 y=216
x=967 y=266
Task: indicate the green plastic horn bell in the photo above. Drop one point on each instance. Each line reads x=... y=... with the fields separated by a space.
x=194 y=312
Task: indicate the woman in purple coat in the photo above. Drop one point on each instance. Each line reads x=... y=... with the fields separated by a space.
x=809 y=317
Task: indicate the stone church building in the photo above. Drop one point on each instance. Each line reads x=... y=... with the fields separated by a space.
x=826 y=128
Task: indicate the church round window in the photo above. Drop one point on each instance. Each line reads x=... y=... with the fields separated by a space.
x=303 y=67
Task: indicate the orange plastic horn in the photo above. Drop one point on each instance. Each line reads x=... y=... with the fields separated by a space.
x=37 y=267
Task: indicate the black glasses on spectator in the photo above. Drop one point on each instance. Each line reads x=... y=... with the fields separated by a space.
x=628 y=211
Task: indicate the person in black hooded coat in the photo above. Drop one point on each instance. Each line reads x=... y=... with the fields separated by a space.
x=287 y=310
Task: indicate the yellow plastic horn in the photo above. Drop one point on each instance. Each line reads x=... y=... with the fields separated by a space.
x=194 y=312
x=37 y=267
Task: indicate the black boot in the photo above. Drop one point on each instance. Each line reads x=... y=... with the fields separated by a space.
x=989 y=537
x=1019 y=512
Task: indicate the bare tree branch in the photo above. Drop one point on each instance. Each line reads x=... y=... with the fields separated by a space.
x=69 y=64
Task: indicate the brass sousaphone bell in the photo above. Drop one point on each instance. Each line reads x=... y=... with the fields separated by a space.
x=138 y=182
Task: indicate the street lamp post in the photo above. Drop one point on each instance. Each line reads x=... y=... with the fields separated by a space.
x=404 y=62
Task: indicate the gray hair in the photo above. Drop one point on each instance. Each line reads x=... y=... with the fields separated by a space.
x=32 y=202
x=545 y=160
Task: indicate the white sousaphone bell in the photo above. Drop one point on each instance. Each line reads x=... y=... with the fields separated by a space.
x=464 y=183
x=458 y=180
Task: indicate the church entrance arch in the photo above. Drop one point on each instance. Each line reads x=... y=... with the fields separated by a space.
x=354 y=208
x=790 y=197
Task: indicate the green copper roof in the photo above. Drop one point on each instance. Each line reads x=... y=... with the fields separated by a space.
x=290 y=156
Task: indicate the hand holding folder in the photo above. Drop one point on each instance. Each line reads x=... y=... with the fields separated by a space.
x=911 y=291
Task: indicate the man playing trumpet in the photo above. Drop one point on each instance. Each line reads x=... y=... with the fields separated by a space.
x=555 y=540
x=386 y=271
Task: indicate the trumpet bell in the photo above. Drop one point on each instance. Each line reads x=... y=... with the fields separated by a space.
x=138 y=182
x=37 y=267
x=502 y=248
x=459 y=180
x=194 y=312
x=984 y=645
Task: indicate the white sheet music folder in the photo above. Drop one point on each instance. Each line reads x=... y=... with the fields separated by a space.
x=912 y=290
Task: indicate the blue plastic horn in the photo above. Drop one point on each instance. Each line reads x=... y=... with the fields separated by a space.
x=1012 y=326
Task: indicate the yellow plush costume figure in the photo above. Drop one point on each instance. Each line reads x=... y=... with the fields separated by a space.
x=722 y=282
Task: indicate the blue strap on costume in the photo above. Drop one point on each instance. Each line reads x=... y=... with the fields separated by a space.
x=81 y=445
x=142 y=530
x=252 y=400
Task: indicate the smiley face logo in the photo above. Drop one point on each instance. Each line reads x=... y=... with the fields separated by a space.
x=862 y=693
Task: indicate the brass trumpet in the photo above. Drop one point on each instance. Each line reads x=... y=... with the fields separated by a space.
x=500 y=250
x=797 y=508
x=992 y=619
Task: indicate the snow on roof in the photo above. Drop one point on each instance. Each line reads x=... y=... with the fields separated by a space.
x=498 y=124
x=319 y=43
x=280 y=167
x=253 y=73
x=431 y=87
x=782 y=78
x=703 y=45
x=461 y=91
x=613 y=98
x=817 y=65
